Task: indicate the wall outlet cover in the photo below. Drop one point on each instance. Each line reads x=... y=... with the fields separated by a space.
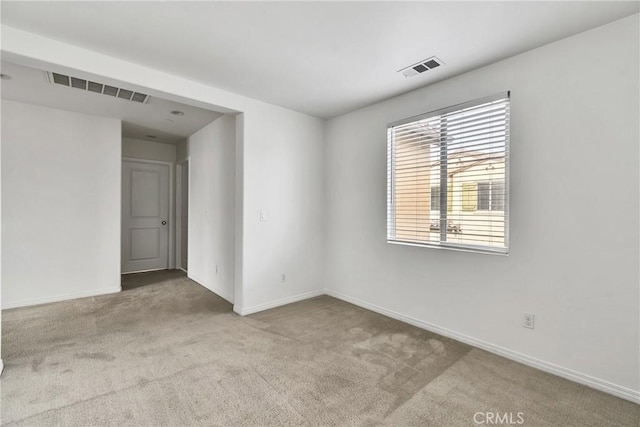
x=528 y=320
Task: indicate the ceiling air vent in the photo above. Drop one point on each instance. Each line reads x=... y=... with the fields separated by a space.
x=78 y=83
x=110 y=90
x=60 y=79
x=88 y=85
x=95 y=87
x=421 y=67
x=125 y=94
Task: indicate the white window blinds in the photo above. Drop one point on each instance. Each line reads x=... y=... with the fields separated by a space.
x=448 y=177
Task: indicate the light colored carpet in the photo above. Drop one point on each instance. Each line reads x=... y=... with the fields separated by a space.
x=168 y=352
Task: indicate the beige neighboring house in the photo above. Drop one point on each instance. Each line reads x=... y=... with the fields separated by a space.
x=475 y=196
x=475 y=199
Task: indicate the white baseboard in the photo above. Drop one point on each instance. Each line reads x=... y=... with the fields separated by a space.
x=266 y=306
x=57 y=298
x=578 y=377
x=144 y=271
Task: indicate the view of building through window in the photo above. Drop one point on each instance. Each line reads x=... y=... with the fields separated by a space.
x=456 y=159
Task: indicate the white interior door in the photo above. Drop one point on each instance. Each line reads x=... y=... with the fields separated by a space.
x=145 y=216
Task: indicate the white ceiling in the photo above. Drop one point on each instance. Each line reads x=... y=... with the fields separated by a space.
x=138 y=120
x=322 y=58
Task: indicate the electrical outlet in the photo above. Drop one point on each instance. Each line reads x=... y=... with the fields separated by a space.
x=263 y=215
x=283 y=278
x=528 y=320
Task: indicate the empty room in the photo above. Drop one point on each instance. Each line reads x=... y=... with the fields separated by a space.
x=320 y=213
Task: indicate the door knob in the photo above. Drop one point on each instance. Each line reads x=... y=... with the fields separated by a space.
x=164 y=222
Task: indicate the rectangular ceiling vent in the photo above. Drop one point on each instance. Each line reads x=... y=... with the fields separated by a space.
x=421 y=67
x=88 y=85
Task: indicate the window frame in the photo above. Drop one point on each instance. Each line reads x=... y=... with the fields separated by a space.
x=448 y=245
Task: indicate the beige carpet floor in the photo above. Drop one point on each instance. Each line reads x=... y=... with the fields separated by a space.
x=168 y=352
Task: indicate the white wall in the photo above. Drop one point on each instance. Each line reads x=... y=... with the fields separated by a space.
x=283 y=176
x=280 y=156
x=60 y=205
x=1 y=361
x=211 y=240
x=148 y=150
x=182 y=153
x=184 y=216
x=182 y=150
x=574 y=214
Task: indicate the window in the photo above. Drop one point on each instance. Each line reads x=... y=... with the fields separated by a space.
x=484 y=196
x=435 y=198
x=456 y=157
x=491 y=196
x=469 y=196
